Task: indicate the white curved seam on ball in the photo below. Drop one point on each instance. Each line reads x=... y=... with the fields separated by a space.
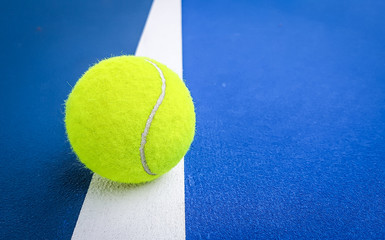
x=150 y=119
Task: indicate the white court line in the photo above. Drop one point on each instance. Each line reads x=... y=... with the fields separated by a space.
x=154 y=210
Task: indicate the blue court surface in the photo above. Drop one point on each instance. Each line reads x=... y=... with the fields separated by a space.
x=290 y=108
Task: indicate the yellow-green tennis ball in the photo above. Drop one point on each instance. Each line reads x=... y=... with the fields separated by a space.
x=130 y=119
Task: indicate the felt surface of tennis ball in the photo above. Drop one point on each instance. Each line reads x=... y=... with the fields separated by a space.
x=107 y=111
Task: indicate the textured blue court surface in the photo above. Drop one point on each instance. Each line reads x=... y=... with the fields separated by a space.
x=290 y=104
x=290 y=101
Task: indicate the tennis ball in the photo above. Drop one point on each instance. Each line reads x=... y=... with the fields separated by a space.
x=130 y=119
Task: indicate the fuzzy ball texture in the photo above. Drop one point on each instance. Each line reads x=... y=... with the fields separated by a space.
x=107 y=111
